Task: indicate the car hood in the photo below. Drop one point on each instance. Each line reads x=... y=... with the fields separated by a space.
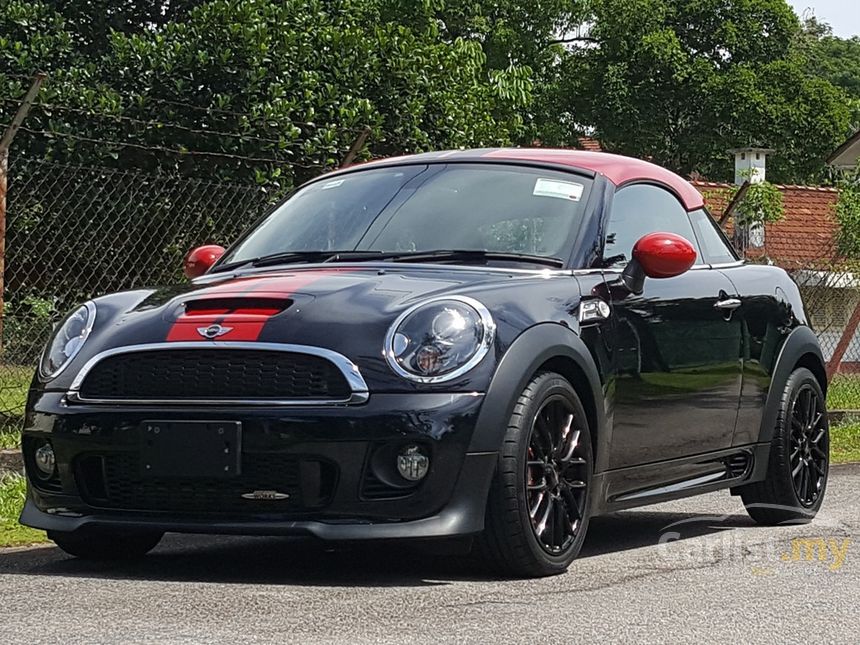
x=346 y=309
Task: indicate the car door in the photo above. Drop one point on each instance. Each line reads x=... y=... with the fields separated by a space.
x=677 y=344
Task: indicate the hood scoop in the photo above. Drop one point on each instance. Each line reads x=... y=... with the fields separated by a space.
x=234 y=306
x=224 y=318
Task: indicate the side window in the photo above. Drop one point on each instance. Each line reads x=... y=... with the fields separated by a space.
x=638 y=210
x=716 y=248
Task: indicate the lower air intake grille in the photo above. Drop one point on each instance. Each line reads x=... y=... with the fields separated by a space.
x=214 y=374
x=114 y=481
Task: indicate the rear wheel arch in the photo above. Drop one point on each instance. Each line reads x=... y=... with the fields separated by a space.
x=800 y=349
x=814 y=364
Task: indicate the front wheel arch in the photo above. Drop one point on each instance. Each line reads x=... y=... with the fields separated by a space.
x=543 y=347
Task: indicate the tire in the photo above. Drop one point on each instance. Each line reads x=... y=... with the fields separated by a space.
x=510 y=542
x=800 y=448
x=105 y=545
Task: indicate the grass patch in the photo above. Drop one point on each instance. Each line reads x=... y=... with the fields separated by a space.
x=843 y=393
x=845 y=443
x=14 y=384
x=9 y=439
x=13 y=490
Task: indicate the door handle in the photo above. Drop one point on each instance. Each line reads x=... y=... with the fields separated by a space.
x=728 y=304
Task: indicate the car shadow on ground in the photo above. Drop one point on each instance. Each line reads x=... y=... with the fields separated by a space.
x=295 y=561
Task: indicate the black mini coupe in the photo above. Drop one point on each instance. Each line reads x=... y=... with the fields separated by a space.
x=488 y=344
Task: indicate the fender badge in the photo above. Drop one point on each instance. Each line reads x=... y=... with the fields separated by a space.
x=213 y=331
x=265 y=495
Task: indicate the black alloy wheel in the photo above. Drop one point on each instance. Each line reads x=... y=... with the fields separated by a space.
x=809 y=442
x=555 y=475
x=799 y=457
x=539 y=504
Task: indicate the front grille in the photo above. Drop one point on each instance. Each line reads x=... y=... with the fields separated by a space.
x=114 y=481
x=374 y=488
x=213 y=374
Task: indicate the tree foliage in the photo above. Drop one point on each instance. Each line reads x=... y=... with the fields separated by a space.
x=848 y=215
x=677 y=81
x=681 y=82
x=291 y=80
x=762 y=202
x=835 y=59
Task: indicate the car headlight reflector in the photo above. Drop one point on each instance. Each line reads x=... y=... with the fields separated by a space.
x=67 y=340
x=440 y=339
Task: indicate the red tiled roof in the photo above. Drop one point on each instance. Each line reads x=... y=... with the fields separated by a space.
x=590 y=144
x=804 y=238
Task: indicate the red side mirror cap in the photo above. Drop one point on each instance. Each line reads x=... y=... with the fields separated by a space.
x=200 y=260
x=664 y=255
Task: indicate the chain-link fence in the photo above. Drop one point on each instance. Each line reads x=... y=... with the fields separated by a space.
x=75 y=232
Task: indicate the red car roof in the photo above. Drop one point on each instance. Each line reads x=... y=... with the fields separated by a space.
x=616 y=168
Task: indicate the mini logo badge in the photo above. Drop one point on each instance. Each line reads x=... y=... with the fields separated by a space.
x=213 y=331
x=265 y=495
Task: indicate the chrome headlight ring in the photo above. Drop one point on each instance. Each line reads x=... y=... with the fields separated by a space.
x=473 y=327
x=67 y=340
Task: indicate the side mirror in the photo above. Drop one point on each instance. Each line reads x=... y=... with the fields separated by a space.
x=200 y=260
x=657 y=255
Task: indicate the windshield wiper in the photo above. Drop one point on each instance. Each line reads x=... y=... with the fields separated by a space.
x=463 y=255
x=472 y=255
x=290 y=257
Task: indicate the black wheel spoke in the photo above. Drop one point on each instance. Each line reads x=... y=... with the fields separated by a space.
x=797 y=469
x=574 y=512
x=542 y=426
x=541 y=525
x=559 y=524
x=556 y=486
x=808 y=445
x=816 y=420
x=817 y=467
x=807 y=406
x=535 y=507
x=569 y=443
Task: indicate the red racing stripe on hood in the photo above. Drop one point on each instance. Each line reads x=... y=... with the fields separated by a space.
x=242 y=324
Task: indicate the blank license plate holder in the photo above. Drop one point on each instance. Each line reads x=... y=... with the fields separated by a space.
x=191 y=449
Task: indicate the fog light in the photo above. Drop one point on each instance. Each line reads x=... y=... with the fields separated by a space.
x=412 y=463
x=46 y=461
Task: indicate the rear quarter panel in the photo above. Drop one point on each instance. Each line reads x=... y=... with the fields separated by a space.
x=772 y=308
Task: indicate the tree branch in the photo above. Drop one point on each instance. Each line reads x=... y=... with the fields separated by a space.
x=584 y=39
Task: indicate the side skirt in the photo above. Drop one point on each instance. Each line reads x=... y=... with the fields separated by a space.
x=616 y=490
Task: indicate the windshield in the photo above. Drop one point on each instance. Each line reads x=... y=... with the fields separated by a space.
x=469 y=207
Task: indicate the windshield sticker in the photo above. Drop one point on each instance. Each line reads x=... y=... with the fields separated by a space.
x=558 y=189
x=332 y=184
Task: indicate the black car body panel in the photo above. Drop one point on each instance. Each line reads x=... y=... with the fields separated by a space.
x=681 y=395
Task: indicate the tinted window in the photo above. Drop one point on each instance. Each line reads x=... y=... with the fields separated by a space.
x=715 y=247
x=425 y=208
x=638 y=210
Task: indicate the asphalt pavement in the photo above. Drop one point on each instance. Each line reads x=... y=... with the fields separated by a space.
x=696 y=570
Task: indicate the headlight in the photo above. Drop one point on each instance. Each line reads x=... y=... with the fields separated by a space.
x=67 y=340
x=440 y=339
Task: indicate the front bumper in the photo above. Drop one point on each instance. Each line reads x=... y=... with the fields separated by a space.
x=330 y=461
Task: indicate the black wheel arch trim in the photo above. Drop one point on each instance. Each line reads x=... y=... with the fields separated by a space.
x=534 y=348
x=800 y=342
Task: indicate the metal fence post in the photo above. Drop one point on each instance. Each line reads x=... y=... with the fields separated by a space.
x=5 y=142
